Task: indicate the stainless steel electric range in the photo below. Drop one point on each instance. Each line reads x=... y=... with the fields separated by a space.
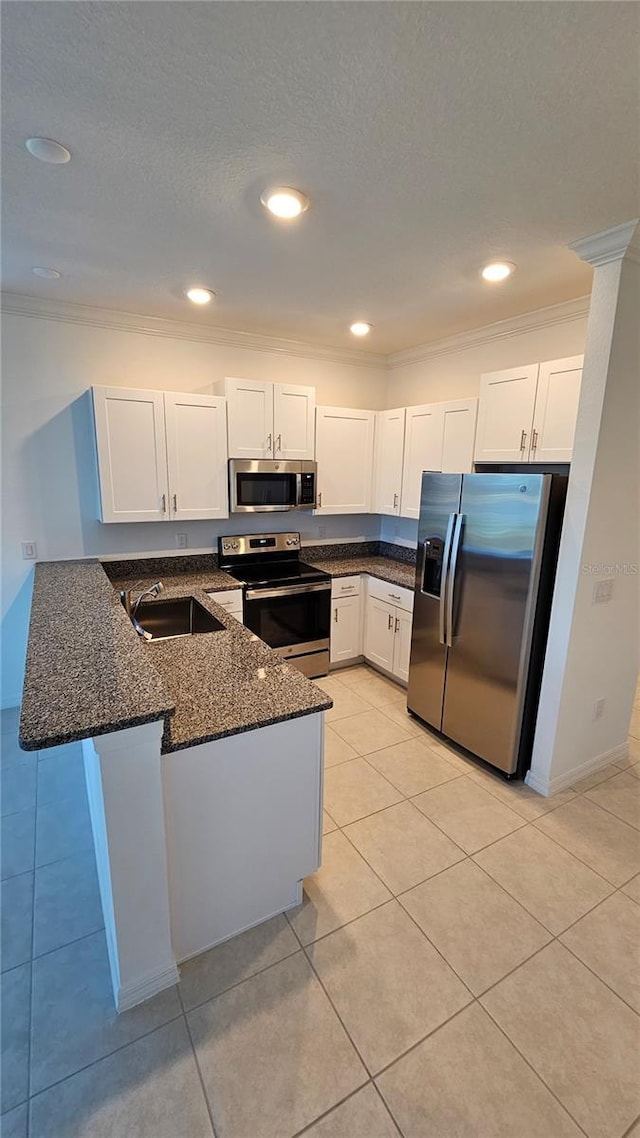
x=286 y=602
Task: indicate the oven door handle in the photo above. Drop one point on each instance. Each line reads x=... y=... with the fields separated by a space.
x=287 y=591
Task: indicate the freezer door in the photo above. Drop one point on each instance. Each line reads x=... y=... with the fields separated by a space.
x=439 y=501
x=494 y=574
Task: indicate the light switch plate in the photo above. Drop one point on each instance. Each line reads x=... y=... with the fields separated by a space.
x=29 y=551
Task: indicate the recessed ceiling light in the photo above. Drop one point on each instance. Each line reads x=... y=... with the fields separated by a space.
x=361 y=328
x=284 y=202
x=48 y=150
x=46 y=274
x=497 y=271
x=200 y=295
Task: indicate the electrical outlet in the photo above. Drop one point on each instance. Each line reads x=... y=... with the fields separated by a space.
x=598 y=708
x=181 y=541
x=29 y=551
x=603 y=591
x=322 y=531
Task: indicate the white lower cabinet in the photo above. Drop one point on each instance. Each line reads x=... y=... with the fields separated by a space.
x=346 y=620
x=387 y=628
x=230 y=600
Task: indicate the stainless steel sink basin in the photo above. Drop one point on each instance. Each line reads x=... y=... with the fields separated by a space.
x=184 y=616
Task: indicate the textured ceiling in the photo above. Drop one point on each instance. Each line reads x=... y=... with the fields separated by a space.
x=430 y=137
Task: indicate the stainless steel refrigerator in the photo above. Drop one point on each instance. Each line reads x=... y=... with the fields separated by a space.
x=487 y=551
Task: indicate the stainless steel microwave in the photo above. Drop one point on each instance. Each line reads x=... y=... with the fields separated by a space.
x=264 y=485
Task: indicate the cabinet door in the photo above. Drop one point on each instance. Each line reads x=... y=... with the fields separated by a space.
x=379 y=634
x=250 y=415
x=422 y=451
x=505 y=414
x=344 y=451
x=346 y=629
x=387 y=465
x=554 y=419
x=402 y=644
x=196 y=456
x=293 y=421
x=132 y=454
x=458 y=435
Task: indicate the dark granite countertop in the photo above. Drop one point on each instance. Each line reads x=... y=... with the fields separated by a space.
x=384 y=568
x=88 y=673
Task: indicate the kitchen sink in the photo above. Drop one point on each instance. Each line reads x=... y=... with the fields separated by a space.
x=184 y=616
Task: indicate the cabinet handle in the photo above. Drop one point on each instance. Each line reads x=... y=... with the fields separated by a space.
x=389 y=622
x=278 y=445
x=523 y=439
x=320 y=499
x=335 y=615
x=164 y=503
x=394 y=596
x=397 y=625
x=534 y=439
x=175 y=503
x=395 y=501
x=269 y=443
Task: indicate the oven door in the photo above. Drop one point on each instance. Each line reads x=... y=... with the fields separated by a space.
x=292 y=619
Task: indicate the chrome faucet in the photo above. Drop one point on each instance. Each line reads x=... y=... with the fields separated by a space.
x=131 y=606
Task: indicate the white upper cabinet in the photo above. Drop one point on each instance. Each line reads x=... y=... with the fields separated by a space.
x=162 y=456
x=293 y=421
x=389 y=451
x=132 y=455
x=196 y=427
x=422 y=451
x=270 y=420
x=529 y=414
x=507 y=400
x=344 y=451
x=458 y=435
x=250 y=418
x=556 y=409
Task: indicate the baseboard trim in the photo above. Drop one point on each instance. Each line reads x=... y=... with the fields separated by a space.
x=549 y=787
x=130 y=995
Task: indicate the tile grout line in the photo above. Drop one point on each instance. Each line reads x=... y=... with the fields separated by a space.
x=209 y=1105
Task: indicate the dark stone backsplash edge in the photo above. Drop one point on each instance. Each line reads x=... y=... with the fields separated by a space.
x=207 y=562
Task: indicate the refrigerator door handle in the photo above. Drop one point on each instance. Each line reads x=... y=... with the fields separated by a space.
x=444 y=577
x=451 y=578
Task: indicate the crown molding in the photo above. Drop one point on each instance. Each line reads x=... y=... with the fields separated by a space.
x=16 y=304
x=554 y=314
x=609 y=245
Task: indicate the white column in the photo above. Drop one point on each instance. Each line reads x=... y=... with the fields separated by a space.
x=592 y=652
x=124 y=785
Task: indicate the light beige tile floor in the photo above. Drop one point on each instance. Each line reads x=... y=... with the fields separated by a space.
x=463 y=965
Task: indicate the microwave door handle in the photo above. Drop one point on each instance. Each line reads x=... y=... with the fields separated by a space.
x=451 y=577
x=442 y=628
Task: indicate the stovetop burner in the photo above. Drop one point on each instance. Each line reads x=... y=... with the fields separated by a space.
x=266 y=560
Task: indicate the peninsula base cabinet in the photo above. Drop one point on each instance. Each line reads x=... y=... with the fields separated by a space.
x=161 y=455
x=387 y=628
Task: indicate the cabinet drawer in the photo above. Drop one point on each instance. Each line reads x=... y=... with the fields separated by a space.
x=229 y=599
x=345 y=587
x=391 y=594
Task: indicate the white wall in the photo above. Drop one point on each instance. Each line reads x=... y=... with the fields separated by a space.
x=49 y=488
x=452 y=369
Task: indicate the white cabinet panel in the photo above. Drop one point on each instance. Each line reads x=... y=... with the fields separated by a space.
x=346 y=629
x=507 y=400
x=229 y=599
x=344 y=451
x=458 y=435
x=402 y=645
x=197 y=456
x=293 y=421
x=422 y=451
x=379 y=633
x=250 y=404
x=389 y=453
x=556 y=409
x=345 y=587
x=132 y=454
x=391 y=594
